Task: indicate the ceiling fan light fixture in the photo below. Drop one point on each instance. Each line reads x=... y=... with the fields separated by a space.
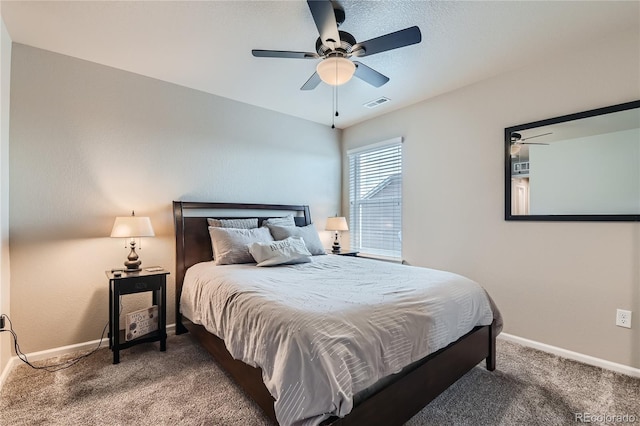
x=336 y=70
x=515 y=149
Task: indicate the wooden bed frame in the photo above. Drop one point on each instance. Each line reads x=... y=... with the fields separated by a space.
x=394 y=404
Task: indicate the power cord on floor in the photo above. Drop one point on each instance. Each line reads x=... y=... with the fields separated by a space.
x=52 y=367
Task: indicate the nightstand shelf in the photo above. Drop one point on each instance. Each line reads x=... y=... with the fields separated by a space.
x=154 y=336
x=346 y=253
x=130 y=283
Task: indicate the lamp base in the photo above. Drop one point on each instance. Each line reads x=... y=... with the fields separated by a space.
x=335 y=248
x=132 y=266
x=133 y=263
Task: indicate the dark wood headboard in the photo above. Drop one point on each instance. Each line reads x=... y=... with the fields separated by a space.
x=193 y=243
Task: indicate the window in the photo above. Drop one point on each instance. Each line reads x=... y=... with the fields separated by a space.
x=375 y=198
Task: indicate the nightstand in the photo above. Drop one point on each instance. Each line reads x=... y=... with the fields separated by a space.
x=130 y=283
x=346 y=253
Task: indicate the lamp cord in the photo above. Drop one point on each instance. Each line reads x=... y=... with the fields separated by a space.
x=51 y=368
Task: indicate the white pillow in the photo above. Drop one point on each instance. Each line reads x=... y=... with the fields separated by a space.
x=230 y=245
x=234 y=223
x=288 y=251
x=280 y=221
x=308 y=233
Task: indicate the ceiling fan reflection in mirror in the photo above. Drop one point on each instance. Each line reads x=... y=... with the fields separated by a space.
x=335 y=48
x=517 y=141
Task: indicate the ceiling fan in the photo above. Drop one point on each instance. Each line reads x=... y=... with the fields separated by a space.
x=335 y=48
x=517 y=141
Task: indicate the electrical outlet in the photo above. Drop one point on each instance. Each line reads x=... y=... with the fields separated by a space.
x=623 y=318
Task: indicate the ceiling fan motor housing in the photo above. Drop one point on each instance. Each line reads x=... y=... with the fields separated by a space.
x=347 y=41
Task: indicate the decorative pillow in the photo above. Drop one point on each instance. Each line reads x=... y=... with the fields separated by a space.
x=280 y=221
x=234 y=223
x=308 y=234
x=286 y=252
x=230 y=245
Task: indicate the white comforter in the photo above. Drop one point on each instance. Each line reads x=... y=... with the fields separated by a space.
x=323 y=331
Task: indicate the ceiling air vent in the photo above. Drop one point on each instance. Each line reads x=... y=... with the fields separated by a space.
x=377 y=102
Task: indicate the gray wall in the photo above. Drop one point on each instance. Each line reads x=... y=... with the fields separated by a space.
x=89 y=143
x=5 y=84
x=556 y=283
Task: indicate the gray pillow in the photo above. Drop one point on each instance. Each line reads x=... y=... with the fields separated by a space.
x=308 y=233
x=231 y=245
x=286 y=252
x=234 y=223
x=280 y=221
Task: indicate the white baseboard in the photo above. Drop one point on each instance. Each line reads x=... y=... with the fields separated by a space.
x=55 y=352
x=7 y=369
x=619 y=368
x=575 y=356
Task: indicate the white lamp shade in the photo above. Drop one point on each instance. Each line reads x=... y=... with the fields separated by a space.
x=132 y=226
x=338 y=223
x=335 y=71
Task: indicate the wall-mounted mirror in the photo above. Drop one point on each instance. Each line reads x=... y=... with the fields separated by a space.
x=583 y=166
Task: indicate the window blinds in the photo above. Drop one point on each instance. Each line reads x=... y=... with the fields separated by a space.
x=375 y=198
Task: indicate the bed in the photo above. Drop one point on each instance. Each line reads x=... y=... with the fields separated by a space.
x=388 y=400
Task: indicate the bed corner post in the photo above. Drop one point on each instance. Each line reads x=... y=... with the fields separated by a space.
x=178 y=219
x=307 y=216
x=491 y=358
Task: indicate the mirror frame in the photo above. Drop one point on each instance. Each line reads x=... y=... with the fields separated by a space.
x=547 y=122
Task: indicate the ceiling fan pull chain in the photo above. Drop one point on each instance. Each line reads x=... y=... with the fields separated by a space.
x=337 y=90
x=335 y=100
x=333 y=107
x=337 y=114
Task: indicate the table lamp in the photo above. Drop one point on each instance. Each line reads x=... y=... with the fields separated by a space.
x=336 y=224
x=132 y=227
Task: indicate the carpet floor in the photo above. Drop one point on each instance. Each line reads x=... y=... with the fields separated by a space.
x=184 y=386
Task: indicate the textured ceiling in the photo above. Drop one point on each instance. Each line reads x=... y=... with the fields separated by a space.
x=206 y=45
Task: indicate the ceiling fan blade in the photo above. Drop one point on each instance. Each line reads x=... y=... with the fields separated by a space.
x=533 y=143
x=537 y=136
x=325 y=19
x=312 y=83
x=283 y=54
x=369 y=75
x=390 y=41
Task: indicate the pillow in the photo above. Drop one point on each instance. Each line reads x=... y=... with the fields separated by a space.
x=280 y=221
x=230 y=245
x=308 y=234
x=234 y=223
x=286 y=252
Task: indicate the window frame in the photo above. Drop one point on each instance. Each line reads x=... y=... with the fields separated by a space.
x=354 y=178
